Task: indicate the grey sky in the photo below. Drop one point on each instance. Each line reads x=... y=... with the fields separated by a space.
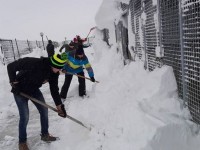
x=25 y=19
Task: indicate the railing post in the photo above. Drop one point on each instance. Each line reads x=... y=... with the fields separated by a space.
x=144 y=35
x=37 y=44
x=28 y=45
x=182 y=51
x=13 y=49
x=160 y=29
x=17 y=48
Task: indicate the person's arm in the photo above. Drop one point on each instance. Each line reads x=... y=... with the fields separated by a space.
x=86 y=46
x=84 y=40
x=88 y=67
x=54 y=89
x=53 y=49
x=53 y=83
x=60 y=50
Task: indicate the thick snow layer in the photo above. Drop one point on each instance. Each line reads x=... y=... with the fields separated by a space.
x=130 y=109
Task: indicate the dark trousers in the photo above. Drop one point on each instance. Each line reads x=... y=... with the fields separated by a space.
x=22 y=104
x=68 y=79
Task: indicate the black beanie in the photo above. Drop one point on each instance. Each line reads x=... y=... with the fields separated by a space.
x=49 y=41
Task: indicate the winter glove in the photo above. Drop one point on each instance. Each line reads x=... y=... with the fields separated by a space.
x=15 y=88
x=92 y=79
x=62 y=111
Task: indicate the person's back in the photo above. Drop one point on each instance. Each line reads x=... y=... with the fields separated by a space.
x=50 y=49
x=68 y=47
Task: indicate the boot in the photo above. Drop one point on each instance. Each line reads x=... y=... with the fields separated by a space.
x=23 y=146
x=48 y=138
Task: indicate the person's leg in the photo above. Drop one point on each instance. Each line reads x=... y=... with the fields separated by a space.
x=43 y=112
x=45 y=136
x=22 y=104
x=82 y=87
x=65 y=87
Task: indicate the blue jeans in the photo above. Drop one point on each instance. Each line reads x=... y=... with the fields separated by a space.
x=22 y=104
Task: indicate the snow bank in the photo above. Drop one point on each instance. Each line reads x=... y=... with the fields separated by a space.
x=37 y=53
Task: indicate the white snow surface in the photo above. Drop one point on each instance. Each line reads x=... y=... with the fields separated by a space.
x=130 y=109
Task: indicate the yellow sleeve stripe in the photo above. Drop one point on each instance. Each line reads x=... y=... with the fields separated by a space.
x=87 y=65
x=72 y=65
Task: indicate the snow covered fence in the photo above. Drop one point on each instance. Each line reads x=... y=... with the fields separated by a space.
x=14 y=49
x=158 y=32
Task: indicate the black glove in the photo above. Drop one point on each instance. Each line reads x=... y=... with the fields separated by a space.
x=62 y=111
x=92 y=79
x=15 y=88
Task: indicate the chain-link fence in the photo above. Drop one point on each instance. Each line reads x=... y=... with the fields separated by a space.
x=168 y=32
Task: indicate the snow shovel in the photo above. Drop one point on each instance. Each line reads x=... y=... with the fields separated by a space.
x=79 y=76
x=54 y=109
x=90 y=31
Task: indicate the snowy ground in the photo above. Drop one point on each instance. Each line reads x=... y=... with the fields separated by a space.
x=130 y=109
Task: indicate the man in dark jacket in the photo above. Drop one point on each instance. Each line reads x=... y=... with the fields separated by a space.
x=68 y=47
x=50 y=48
x=32 y=73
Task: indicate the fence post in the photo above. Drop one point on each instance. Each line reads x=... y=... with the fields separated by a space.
x=36 y=43
x=28 y=45
x=13 y=49
x=182 y=52
x=144 y=36
x=160 y=29
x=3 y=60
x=17 y=48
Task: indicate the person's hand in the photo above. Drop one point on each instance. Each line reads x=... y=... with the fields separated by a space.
x=92 y=79
x=15 y=88
x=64 y=71
x=61 y=110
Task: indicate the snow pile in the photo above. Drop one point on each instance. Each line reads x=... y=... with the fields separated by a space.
x=37 y=53
x=108 y=15
x=129 y=109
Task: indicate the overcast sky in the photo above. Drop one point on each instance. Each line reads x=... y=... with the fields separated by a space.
x=25 y=19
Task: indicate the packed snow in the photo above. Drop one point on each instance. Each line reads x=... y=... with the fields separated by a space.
x=130 y=109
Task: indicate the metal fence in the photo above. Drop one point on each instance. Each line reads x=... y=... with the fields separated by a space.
x=191 y=38
x=13 y=49
x=172 y=28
